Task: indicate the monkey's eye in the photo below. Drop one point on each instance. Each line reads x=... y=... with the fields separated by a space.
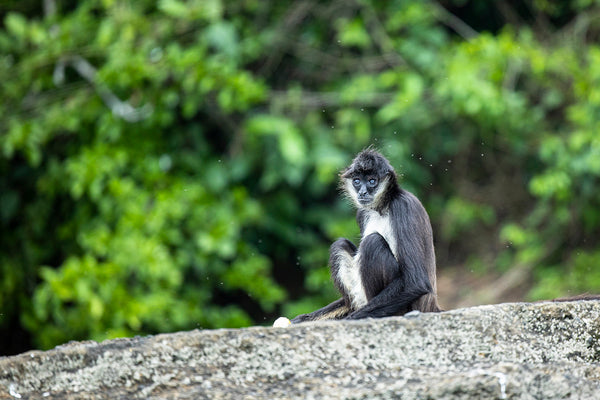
x=372 y=182
x=356 y=182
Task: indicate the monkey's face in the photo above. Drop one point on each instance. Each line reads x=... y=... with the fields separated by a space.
x=366 y=179
x=365 y=189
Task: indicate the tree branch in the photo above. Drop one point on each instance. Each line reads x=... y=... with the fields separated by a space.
x=315 y=100
x=453 y=22
x=87 y=71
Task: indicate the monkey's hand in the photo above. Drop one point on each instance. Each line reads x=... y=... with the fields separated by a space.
x=281 y=322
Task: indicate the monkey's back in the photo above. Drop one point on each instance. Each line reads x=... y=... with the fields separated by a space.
x=413 y=219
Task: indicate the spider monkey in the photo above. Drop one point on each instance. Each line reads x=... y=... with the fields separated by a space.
x=392 y=271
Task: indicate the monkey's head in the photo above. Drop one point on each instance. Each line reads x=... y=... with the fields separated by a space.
x=368 y=178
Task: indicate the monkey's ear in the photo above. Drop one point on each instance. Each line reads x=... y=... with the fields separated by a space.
x=390 y=173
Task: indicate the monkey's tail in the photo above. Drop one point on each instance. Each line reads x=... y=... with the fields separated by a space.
x=427 y=303
x=584 y=296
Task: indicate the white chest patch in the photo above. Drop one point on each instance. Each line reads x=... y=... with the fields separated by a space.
x=377 y=223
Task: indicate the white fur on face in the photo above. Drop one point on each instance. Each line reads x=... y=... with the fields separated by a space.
x=351 y=192
x=380 y=190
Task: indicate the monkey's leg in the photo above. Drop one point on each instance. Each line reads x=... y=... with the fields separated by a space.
x=390 y=291
x=341 y=257
x=341 y=254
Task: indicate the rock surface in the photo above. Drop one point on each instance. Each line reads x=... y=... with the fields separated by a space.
x=506 y=351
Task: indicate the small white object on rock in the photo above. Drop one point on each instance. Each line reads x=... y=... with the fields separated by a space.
x=281 y=322
x=412 y=314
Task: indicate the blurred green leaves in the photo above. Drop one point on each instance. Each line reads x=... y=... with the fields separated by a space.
x=289 y=139
x=352 y=32
x=192 y=10
x=171 y=165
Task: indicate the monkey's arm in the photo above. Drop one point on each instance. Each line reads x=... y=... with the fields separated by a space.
x=336 y=310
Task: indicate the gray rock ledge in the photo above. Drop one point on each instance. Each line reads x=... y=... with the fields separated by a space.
x=505 y=351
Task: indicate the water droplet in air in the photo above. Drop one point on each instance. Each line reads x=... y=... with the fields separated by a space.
x=165 y=163
x=156 y=54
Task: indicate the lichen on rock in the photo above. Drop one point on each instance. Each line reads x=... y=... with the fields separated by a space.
x=518 y=350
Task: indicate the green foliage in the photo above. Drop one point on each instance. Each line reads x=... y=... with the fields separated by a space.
x=581 y=275
x=171 y=165
x=460 y=216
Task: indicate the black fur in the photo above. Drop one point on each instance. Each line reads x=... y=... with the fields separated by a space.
x=396 y=273
x=383 y=268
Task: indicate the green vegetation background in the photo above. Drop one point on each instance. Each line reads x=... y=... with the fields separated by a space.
x=167 y=165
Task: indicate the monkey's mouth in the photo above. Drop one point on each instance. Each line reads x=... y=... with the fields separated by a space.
x=365 y=200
